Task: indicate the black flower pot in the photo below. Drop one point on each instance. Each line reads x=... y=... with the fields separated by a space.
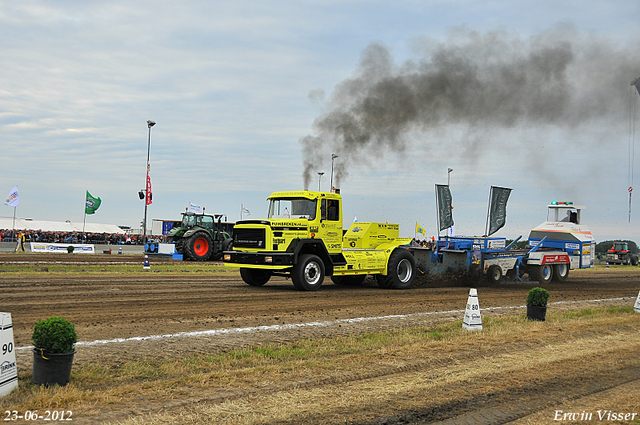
x=536 y=312
x=50 y=368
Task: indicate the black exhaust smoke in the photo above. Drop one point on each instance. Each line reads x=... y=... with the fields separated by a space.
x=480 y=81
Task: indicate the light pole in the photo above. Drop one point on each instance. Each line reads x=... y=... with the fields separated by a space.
x=150 y=124
x=449 y=170
x=333 y=156
x=320 y=173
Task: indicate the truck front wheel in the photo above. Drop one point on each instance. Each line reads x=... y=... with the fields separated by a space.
x=199 y=246
x=308 y=273
x=542 y=274
x=255 y=277
x=400 y=271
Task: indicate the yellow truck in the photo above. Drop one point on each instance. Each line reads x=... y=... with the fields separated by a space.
x=303 y=238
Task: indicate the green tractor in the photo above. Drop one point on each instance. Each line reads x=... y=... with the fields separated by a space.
x=198 y=238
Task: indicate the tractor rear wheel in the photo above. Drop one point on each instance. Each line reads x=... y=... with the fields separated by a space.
x=199 y=246
x=255 y=277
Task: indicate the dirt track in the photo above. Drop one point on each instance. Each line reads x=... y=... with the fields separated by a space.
x=105 y=306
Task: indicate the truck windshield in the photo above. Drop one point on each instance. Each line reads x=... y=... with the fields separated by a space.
x=293 y=208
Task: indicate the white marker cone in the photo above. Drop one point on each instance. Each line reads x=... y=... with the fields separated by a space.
x=146 y=262
x=472 y=319
x=8 y=369
x=636 y=307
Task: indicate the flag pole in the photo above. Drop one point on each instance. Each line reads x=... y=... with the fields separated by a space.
x=486 y=227
x=13 y=231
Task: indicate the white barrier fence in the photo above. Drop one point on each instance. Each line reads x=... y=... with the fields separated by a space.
x=62 y=248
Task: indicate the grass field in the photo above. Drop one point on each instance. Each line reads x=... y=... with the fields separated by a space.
x=317 y=381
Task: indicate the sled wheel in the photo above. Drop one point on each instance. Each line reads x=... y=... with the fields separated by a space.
x=560 y=272
x=542 y=274
x=494 y=274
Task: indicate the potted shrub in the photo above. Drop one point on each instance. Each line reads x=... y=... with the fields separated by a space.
x=537 y=303
x=54 y=342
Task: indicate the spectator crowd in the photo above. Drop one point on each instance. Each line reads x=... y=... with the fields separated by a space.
x=8 y=235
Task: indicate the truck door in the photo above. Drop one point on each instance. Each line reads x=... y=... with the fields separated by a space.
x=331 y=225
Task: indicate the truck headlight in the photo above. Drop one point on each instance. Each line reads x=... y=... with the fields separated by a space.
x=227 y=257
x=268 y=259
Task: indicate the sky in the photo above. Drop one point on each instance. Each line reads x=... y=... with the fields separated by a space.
x=251 y=97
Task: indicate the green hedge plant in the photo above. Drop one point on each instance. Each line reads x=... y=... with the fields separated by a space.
x=538 y=297
x=54 y=335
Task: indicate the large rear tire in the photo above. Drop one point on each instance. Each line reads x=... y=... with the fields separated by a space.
x=255 y=277
x=560 y=272
x=401 y=270
x=308 y=273
x=199 y=247
x=542 y=274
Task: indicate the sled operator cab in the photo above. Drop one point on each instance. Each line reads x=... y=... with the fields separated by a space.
x=564 y=230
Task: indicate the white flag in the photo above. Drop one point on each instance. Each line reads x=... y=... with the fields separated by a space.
x=245 y=210
x=13 y=200
x=195 y=208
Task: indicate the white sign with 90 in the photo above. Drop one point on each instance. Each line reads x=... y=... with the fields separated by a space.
x=8 y=369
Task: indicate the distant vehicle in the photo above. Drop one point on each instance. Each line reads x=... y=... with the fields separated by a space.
x=199 y=237
x=619 y=254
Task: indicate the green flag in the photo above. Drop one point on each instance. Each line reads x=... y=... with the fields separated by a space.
x=92 y=204
x=443 y=198
x=497 y=208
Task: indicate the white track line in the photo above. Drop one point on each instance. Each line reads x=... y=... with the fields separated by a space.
x=227 y=331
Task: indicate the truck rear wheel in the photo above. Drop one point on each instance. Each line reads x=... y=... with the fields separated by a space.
x=199 y=246
x=400 y=271
x=494 y=274
x=542 y=274
x=308 y=273
x=255 y=277
x=560 y=272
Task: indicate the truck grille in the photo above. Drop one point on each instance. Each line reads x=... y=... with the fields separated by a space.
x=248 y=238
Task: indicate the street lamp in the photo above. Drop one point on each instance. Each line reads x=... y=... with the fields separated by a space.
x=320 y=173
x=150 y=124
x=449 y=170
x=333 y=156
